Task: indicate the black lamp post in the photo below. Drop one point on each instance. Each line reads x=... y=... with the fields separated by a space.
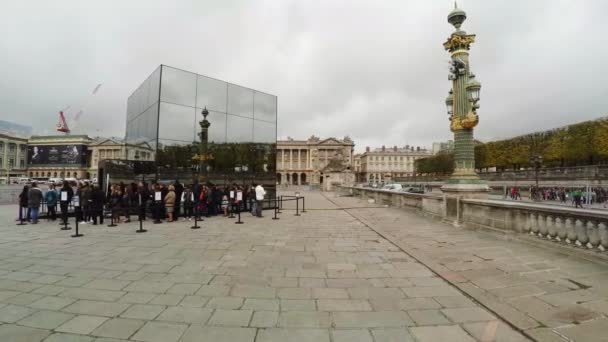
x=204 y=135
x=536 y=161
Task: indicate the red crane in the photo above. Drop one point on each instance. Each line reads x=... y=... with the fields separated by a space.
x=62 y=126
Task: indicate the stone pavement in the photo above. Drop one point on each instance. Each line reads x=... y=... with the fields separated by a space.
x=323 y=276
x=551 y=296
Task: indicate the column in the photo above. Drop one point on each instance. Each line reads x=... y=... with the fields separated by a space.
x=299 y=160
x=290 y=159
x=282 y=160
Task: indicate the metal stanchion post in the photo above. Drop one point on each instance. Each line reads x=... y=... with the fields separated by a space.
x=142 y=212
x=231 y=210
x=239 y=214
x=276 y=206
x=76 y=214
x=303 y=204
x=297 y=206
x=280 y=204
x=196 y=226
x=112 y=224
x=65 y=222
x=21 y=223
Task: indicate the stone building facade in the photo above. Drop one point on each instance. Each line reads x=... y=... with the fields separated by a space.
x=385 y=164
x=13 y=156
x=302 y=162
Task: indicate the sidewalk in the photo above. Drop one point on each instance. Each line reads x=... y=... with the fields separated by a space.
x=548 y=295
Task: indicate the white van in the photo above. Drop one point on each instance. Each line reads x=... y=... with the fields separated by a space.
x=24 y=180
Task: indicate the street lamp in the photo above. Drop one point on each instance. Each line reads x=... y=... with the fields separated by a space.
x=473 y=88
x=536 y=161
x=204 y=135
x=449 y=103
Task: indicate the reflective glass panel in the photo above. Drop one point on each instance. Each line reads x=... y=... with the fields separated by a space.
x=240 y=101
x=265 y=107
x=153 y=87
x=176 y=122
x=239 y=129
x=211 y=93
x=217 y=130
x=264 y=132
x=178 y=86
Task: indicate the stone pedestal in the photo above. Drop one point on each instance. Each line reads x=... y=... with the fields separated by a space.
x=454 y=192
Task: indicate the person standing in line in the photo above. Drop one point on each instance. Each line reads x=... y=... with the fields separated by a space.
x=252 y=196
x=50 y=197
x=23 y=204
x=116 y=203
x=96 y=204
x=259 y=196
x=225 y=204
x=64 y=204
x=34 y=200
x=170 y=203
x=188 y=201
x=179 y=189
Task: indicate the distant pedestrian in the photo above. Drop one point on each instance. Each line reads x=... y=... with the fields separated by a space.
x=23 y=204
x=259 y=196
x=51 y=202
x=170 y=203
x=65 y=197
x=187 y=199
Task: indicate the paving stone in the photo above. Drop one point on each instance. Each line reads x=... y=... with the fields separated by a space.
x=462 y=315
x=392 y=335
x=431 y=291
x=371 y=319
x=343 y=305
x=329 y=293
x=375 y=292
x=94 y=308
x=261 y=304
x=50 y=290
x=136 y=297
x=253 y=292
x=15 y=333
x=194 y=301
x=311 y=282
x=294 y=293
x=196 y=333
x=493 y=331
x=143 y=311
x=298 y=305
x=184 y=314
x=238 y=318
x=264 y=319
x=304 y=319
x=61 y=337
x=166 y=299
x=23 y=299
x=586 y=331
x=224 y=303
x=82 y=324
x=13 y=313
x=118 y=328
x=160 y=332
x=293 y=335
x=148 y=286
x=455 y=302
x=51 y=303
x=107 y=284
x=46 y=319
x=213 y=291
x=360 y=335
x=428 y=317
x=452 y=333
x=184 y=289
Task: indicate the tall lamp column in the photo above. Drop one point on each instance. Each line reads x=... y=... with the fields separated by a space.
x=204 y=136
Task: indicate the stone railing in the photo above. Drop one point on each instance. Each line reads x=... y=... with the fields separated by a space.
x=584 y=228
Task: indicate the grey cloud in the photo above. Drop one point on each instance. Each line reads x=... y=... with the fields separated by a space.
x=374 y=70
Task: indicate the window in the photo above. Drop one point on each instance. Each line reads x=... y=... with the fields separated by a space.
x=22 y=148
x=54 y=174
x=1 y=146
x=12 y=148
x=1 y=163
x=22 y=164
x=11 y=163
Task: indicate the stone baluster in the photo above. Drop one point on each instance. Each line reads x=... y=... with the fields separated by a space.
x=524 y=218
x=542 y=225
x=602 y=229
x=551 y=229
x=534 y=223
x=581 y=232
x=560 y=227
x=570 y=231
x=593 y=234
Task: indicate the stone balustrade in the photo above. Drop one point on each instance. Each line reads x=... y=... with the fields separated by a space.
x=584 y=228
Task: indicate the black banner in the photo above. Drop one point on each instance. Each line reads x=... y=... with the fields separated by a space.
x=57 y=154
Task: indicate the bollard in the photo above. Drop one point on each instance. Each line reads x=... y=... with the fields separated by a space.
x=303 y=204
x=280 y=204
x=297 y=206
x=112 y=224
x=142 y=212
x=21 y=223
x=238 y=212
x=231 y=210
x=76 y=234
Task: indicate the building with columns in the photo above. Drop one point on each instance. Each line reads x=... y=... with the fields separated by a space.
x=302 y=162
x=385 y=164
x=13 y=156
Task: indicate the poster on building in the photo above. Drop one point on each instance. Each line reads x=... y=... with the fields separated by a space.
x=57 y=154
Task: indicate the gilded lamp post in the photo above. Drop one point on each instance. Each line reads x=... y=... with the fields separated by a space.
x=204 y=136
x=462 y=105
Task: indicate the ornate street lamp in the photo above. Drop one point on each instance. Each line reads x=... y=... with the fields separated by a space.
x=204 y=136
x=537 y=162
x=461 y=104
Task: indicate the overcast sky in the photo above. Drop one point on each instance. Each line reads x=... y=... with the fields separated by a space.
x=374 y=70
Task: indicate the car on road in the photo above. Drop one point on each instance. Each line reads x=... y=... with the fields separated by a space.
x=393 y=187
x=414 y=189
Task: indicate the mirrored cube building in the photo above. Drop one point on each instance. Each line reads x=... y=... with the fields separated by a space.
x=165 y=112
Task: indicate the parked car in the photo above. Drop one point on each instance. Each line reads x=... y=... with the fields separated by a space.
x=393 y=187
x=414 y=189
x=24 y=180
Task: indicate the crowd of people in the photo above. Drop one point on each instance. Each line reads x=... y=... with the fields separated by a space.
x=120 y=201
x=574 y=196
